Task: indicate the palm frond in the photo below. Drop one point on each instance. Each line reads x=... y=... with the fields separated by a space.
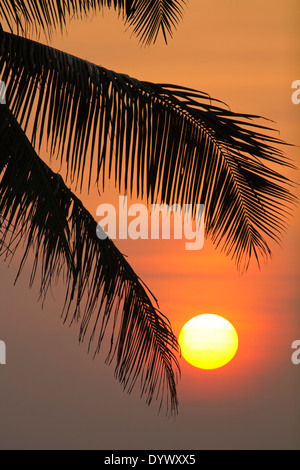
x=41 y=15
x=146 y=17
x=40 y=213
x=149 y=17
x=163 y=140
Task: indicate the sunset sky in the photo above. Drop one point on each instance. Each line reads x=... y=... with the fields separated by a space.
x=53 y=395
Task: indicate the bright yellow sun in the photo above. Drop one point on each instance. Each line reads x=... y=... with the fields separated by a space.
x=208 y=341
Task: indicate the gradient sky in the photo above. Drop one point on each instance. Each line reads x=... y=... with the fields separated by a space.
x=52 y=394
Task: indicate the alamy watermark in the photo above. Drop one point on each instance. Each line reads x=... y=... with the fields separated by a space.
x=157 y=225
x=296 y=353
x=296 y=94
x=2 y=92
x=2 y=353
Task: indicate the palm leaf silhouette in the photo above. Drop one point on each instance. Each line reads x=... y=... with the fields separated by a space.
x=38 y=207
x=146 y=17
x=166 y=142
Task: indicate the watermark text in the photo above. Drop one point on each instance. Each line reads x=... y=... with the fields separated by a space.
x=296 y=353
x=296 y=94
x=162 y=220
x=2 y=92
x=2 y=353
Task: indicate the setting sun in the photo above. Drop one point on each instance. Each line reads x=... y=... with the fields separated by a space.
x=208 y=341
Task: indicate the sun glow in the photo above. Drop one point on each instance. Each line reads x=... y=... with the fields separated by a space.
x=208 y=341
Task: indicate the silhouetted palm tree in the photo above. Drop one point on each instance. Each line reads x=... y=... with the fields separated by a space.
x=167 y=142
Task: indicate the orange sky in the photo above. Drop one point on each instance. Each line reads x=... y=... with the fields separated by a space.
x=246 y=54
